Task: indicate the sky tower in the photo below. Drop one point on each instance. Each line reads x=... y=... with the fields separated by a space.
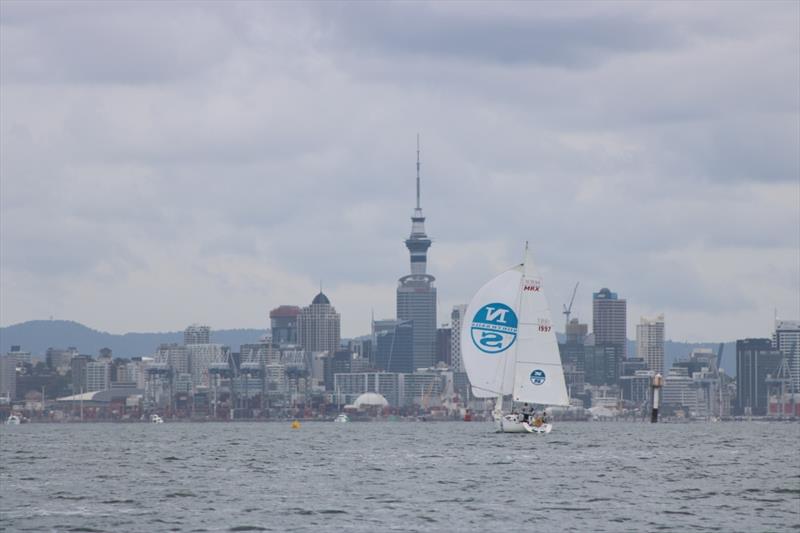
x=416 y=295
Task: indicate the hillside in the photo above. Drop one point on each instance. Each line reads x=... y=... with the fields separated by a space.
x=36 y=336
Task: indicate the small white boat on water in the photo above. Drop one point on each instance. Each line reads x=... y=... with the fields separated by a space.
x=13 y=420
x=155 y=419
x=342 y=418
x=509 y=347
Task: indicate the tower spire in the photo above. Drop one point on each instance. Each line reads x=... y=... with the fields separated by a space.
x=418 y=207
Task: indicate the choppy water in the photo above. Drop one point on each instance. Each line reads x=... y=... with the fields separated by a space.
x=399 y=476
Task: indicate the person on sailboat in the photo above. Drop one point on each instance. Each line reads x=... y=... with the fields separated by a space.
x=527 y=413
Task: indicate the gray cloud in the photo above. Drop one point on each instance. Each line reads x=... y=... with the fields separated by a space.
x=205 y=162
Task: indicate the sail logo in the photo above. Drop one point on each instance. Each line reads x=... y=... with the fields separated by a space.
x=494 y=328
x=538 y=377
x=532 y=285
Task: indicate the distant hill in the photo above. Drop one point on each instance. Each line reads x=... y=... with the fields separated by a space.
x=36 y=336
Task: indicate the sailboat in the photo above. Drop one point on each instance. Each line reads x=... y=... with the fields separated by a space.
x=509 y=347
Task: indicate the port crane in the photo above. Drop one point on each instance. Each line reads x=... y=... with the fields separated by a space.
x=568 y=309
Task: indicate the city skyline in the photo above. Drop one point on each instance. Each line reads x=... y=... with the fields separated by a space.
x=216 y=177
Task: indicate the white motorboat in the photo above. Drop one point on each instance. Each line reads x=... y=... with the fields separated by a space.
x=13 y=420
x=509 y=347
x=342 y=418
x=155 y=419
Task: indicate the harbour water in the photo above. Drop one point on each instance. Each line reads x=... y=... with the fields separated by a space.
x=399 y=477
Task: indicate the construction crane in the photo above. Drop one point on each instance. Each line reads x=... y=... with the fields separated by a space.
x=568 y=310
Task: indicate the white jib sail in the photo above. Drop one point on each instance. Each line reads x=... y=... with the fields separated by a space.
x=538 y=374
x=489 y=334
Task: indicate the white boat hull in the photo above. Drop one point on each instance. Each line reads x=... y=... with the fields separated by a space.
x=512 y=423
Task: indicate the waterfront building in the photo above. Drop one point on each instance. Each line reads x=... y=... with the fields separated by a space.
x=283 y=324
x=351 y=385
x=679 y=391
x=401 y=389
x=197 y=334
x=635 y=386
x=318 y=326
x=756 y=361
x=650 y=342
x=416 y=294
x=8 y=377
x=444 y=339
x=787 y=340
x=609 y=315
x=98 y=376
x=456 y=321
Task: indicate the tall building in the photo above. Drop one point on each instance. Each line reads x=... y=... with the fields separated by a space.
x=787 y=340
x=197 y=334
x=78 y=367
x=20 y=356
x=8 y=377
x=394 y=345
x=98 y=376
x=175 y=356
x=283 y=323
x=318 y=326
x=201 y=357
x=650 y=342
x=609 y=314
x=58 y=359
x=416 y=295
x=756 y=360
x=456 y=320
x=444 y=339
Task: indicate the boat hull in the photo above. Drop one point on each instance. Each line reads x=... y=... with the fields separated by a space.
x=512 y=423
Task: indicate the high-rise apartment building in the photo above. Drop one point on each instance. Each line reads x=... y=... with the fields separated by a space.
x=98 y=376
x=609 y=314
x=197 y=334
x=175 y=356
x=756 y=359
x=318 y=326
x=787 y=340
x=283 y=323
x=456 y=321
x=201 y=357
x=650 y=342
x=416 y=295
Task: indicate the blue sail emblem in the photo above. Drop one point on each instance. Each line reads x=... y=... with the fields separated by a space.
x=494 y=328
x=538 y=377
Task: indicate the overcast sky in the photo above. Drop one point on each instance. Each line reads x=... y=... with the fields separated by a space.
x=171 y=163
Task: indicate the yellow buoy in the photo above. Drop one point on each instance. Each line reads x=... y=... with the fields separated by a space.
x=295 y=424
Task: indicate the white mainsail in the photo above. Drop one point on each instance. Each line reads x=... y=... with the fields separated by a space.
x=508 y=344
